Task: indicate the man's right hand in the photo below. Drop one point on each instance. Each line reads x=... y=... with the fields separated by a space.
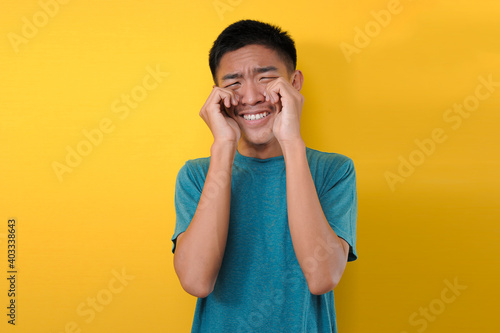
x=223 y=127
x=198 y=255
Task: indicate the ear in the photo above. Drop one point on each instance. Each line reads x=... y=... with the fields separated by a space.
x=297 y=79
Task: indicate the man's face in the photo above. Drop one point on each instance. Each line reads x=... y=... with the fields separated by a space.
x=247 y=71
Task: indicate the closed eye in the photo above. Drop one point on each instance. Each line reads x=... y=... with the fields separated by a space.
x=232 y=85
x=267 y=78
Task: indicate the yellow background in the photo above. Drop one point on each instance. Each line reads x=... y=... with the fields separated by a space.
x=115 y=210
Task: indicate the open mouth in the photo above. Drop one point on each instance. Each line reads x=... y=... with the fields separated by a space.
x=256 y=116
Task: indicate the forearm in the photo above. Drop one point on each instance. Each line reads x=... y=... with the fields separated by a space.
x=320 y=252
x=200 y=248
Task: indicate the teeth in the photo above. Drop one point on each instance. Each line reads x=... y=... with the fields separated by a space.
x=255 y=116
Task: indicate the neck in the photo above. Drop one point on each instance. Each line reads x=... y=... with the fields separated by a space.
x=261 y=151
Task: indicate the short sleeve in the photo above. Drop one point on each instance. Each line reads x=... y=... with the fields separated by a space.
x=339 y=203
x=187 y=195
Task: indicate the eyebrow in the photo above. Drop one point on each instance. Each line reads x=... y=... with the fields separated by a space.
x=265 y=69
x=258 y=70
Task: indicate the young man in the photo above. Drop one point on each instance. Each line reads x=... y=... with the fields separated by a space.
x=265 y=225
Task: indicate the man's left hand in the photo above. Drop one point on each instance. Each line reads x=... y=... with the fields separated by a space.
x=289 y=102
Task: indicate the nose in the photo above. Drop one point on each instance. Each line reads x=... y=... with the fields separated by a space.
x=251 y=93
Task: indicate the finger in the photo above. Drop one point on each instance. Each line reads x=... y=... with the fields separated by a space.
x=231 y=96
x=235 y=99
x=220 y=100
x=266 y=95
x=203 y=116
x=225 y=111
x=227 y=101
x=273 y=94
x=224 y=96
x=276 y=90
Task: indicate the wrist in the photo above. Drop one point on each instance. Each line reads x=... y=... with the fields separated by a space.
x=292 y=147
x=223 y=149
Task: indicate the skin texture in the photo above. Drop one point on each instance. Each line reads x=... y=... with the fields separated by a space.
x=252 y=80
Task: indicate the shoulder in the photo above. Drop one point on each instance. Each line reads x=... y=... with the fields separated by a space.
x=330 y=162
x=197 y=163
x=331 y=171
x=195 y=169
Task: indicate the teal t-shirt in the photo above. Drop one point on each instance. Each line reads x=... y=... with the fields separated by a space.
x=260 y=286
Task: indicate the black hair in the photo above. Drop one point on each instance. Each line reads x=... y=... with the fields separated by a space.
x=250 y=32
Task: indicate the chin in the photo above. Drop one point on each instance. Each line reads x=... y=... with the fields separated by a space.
x=262 y=138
